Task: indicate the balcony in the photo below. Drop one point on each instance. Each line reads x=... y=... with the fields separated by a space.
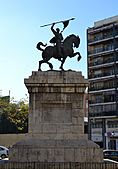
x=103 y=109
x=103 y=28
x=100 y=39
x=100 y=51
x=103 y=38
x=102 y=34
x=102 y=88
x=110 y=60
x=97 y=76
x=102 y=101
x=104 y=113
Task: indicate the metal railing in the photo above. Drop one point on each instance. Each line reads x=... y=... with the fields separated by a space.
x=58 y=165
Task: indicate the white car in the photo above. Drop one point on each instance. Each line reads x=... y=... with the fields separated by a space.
x=3 y=152
x=109 y=161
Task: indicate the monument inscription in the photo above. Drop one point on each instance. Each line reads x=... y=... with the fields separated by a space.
x=57 y=113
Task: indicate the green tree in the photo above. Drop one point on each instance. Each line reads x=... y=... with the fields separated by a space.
x=13 y=116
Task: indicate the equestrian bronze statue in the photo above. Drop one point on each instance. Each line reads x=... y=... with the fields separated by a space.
x=61 y=48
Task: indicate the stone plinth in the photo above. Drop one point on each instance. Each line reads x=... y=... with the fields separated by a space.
x=56 y=120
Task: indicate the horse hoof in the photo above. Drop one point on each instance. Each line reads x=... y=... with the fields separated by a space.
x=61 y=68
x=39 y=69
x=51 y=66
x=79 y=57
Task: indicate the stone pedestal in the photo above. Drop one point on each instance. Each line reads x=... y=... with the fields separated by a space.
x=56 y=120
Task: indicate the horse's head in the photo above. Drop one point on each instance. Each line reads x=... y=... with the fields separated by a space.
x=77 y=42
x=72 y=41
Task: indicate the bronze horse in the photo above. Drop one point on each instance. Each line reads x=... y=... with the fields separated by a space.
x=67 y=50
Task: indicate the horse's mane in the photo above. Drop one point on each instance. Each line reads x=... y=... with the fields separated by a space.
x=69 y=36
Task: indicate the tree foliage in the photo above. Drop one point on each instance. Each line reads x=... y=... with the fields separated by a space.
x=13 y=116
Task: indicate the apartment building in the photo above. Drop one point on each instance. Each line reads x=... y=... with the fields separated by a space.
x=102 y=58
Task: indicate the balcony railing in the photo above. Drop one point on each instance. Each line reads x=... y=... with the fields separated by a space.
x=99 y=38
x=102 y=100
x=100 y=50
x=100 y=62
x=104 y=113
x=102 y=37
x=104 y=87
x=101 y=75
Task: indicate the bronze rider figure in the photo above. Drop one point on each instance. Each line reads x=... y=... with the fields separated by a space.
x=58 y=38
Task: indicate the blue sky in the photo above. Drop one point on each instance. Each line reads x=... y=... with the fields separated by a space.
x=20 y=31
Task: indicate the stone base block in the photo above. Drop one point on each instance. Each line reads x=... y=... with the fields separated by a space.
x=36 y=150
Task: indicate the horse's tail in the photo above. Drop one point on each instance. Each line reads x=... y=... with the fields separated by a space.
x=39 y=46
x=79 y=57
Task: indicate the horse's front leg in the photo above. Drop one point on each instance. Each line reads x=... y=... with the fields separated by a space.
x=62 y=62
x=74 y=54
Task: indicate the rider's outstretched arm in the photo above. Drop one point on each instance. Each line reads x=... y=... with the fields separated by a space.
x=52 y=28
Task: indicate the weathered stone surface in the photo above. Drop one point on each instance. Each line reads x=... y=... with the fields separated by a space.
x=56 y=120
x=57 y=150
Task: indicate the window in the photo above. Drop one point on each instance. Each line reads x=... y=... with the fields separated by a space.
x=97 y=36
x=108 y=47
x=112 y=124
x=97 y=125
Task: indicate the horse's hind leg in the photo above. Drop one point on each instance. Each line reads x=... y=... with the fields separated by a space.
x=61 y=67
x=43 y=61
x=40 y=62
x=50 y=65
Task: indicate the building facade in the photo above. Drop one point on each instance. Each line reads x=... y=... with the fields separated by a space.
x=102 y=59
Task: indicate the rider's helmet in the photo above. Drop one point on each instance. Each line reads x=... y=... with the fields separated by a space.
x=57 y=29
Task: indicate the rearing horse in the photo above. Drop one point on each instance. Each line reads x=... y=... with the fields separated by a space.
x=67 y=50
